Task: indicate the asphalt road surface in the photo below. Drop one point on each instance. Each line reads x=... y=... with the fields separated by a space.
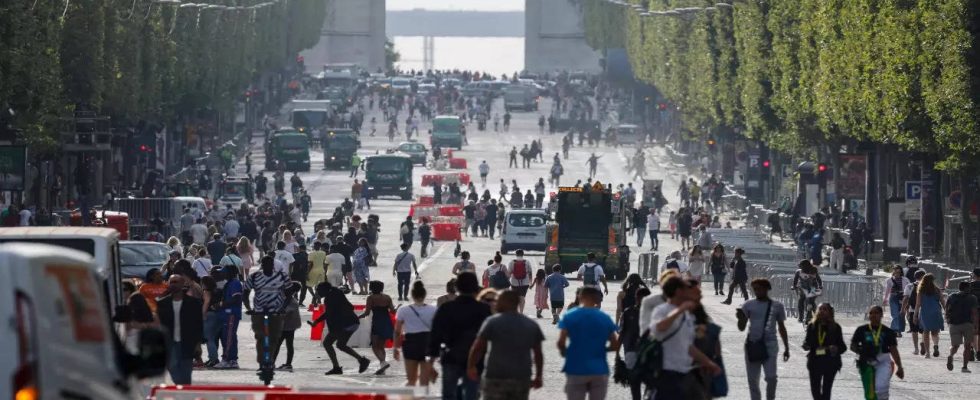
x=925 y=379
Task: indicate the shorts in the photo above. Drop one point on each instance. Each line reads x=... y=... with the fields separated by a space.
x=521 y=290
x=913 y=327
x=415 y=345
x=558 y=304
x=961 y=333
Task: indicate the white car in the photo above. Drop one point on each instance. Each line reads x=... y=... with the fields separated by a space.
x=524 y=229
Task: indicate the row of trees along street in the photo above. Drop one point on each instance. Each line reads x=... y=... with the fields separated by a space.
x=897 y=80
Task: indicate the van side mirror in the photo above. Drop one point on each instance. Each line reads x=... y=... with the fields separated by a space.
x=151 y=357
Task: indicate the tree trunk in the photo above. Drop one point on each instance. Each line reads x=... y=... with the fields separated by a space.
x=968 y=226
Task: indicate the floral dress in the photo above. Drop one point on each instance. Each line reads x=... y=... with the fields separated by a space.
x=361 y=273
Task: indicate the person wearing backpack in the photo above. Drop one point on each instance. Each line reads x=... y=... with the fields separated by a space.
x=519 y=270
x=496 y=275
x=592 y=274
x=672 y=328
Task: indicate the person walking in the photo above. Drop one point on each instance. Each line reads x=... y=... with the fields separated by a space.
x=379 y=307
x=513 y=158
x=824 y=344
x=231 y=316
x=454 y=328
x=807 y=284
x=355 y=165
x=696 y=263
x=268 y=302
x=484 y=171
x=341 y=323
x=582 y=342
x=894 y=296
x=519 y=269
x=513 y=340
x=556 y=284
x=540 y=292
x=763 y=315
x=412 y=326
x=629 y=334
x=877 y=348
x=740 y=276
x=673 y=325
x=908 y=309
x=717 y=264
x=640 y=224
x=653 y=225
x=592 y=274
x=402 y=269
x=361 y=260
x=961 y=314
x=425 y=237
x=183 y=318
x=290 y=323
x=929 y=310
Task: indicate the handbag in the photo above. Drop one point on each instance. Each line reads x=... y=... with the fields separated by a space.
x=756 y=350
x=621 y=373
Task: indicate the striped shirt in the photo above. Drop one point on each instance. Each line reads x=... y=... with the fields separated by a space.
x=269 y=296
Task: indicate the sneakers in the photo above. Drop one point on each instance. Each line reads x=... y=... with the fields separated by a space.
x=935 y=351
x=728 y=302
x=226 y=365
x=381 y=371
x=362 y=365
x=539 y=314
x=335 y=371
x=210 y=363
x=965 y=370
x=949 y=363
x=285 y=367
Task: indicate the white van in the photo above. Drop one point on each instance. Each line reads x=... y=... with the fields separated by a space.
x=524 y=229
x=102 y=244
x=60 y=342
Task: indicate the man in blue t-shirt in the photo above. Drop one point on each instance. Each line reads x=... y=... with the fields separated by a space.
x=231 y=313
x=556 y=284
x=588 y=328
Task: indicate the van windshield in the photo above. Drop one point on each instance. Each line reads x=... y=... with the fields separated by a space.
x=84 y=245
x=445 y=125
x=525 y=220
x=388 y=164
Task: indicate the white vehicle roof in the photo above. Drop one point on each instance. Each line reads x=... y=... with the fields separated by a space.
x=528 y=211
x=626 y=126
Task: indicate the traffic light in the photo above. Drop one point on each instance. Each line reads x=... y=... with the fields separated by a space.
x=822 y=172
x=145 y=149
x=711 y=144
x=765 y=168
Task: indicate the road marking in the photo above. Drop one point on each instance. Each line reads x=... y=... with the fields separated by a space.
x=428 y=261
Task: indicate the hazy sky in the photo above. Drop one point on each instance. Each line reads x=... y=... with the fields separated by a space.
x=480 y=5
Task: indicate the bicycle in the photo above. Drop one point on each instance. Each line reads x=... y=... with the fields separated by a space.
x=267 y=368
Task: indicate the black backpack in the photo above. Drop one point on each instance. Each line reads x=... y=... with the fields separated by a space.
x=672 y=264
x=650 y=357
x=498 y=280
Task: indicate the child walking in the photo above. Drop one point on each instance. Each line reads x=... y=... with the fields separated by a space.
x=540 y=292
x=556 y=284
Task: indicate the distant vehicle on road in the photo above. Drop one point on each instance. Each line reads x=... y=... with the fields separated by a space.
x=520 y=97
x=627 y=134
x=414 y=150
x=389 y=175
x=138 y=257
x=234 y=191
x=589 y=220
x=524 y=229
x=339 y=146
x=446 y=132
x=289 y=148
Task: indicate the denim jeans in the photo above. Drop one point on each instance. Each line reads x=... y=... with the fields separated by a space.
x=178 y=365
x=213 y=328
x=895 y=306
x=456 y=385
x=654 y=240
x=404 y=281
x=229 y=337
x=641 y=231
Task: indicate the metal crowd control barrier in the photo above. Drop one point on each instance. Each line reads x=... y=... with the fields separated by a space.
x=647 y=266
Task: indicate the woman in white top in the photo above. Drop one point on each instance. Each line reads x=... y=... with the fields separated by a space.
x=412 y=326
x=697 y=263
x=202 y=264
x=245 y=252
x=291 y=245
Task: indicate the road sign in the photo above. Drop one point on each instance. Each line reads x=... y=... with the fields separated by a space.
x=913 y=190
